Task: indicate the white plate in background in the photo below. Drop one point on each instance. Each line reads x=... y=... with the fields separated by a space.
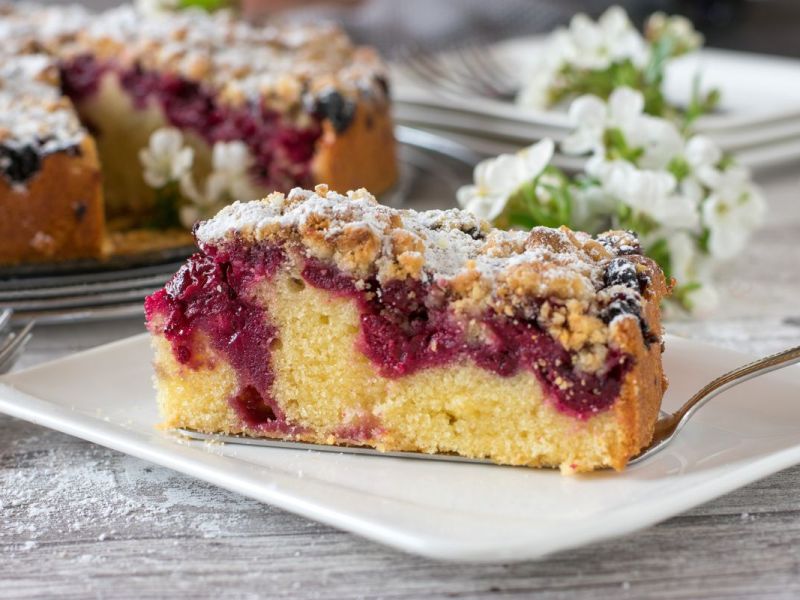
x=447 y=511
x=760 y=98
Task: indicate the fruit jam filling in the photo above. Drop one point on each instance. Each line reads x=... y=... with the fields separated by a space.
x=209 y=295
x=406 y=326
x=281 y=151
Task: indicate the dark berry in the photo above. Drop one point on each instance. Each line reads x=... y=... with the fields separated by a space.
x=622 y=272
x=474 y=232
x=383 y=83
x=19 y=164
x=621 y=305
x=628 y=305
x=80 y=76
x=79 y=210
x=339 y=111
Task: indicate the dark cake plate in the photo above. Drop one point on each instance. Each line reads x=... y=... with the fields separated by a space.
x=431 y=170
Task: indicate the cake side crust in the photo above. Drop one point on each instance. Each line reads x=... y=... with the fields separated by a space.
x=361 y=156
x=56 y=215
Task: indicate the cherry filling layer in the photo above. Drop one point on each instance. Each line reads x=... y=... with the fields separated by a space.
x=281 y=151
x=209 y=295
x=406 y=326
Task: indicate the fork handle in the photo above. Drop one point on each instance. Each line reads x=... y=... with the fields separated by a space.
x=732 y=378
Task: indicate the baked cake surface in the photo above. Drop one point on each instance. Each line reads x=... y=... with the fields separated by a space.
x=334 y=319
x=50 y=198
x=306 y=103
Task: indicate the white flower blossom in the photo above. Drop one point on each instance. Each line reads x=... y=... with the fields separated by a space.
x=229 y=180
x=649 y=192
x=151 y=8
x=230 y=177
x=678 y=29
x=659 y=140
x=536 y=91
x=589 y=116
x=189 y=214
x=596 y=45
x=585 y=44
x=165 y=159
x=496 y=179
x=691 y=206
x=591 y=208
x=690 y=270
x=731 y=212
x=703 y=155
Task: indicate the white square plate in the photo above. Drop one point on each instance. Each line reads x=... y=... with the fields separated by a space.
x=442 y=510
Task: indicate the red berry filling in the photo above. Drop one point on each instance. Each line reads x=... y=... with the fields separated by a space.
x=406 y=326
x=281 y=151
x=209 y=294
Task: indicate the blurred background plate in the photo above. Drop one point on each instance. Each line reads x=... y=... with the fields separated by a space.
x=759 y=109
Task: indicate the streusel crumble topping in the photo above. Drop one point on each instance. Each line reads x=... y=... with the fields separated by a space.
x=35 y=119
x=282 y=66
x=573 y=284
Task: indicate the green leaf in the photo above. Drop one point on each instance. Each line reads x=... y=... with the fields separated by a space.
x=726 y=162
x=527 y=208
x=617 y=146
x=702 y=241
x=699 y=104
x=659 y=252
x=207 y=5
x=662 y=50
x=681 y=293
x=679 y=167
x=165 y=214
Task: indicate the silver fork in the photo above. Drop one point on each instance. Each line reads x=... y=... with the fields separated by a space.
x=667 y=426
x=12 y=344
x=469 y=69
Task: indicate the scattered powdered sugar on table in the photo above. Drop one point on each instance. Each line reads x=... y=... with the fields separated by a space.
x=44 y=499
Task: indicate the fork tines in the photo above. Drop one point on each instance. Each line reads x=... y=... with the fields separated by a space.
x=12 y=344
x=471 y=69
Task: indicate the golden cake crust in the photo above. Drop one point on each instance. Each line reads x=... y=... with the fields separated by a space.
x=58 y=215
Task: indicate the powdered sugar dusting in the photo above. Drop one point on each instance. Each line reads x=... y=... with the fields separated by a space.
x=278 y=65
x=32 y=112
x=453 y=242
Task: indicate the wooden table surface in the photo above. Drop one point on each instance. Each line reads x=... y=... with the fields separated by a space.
x=78 y=520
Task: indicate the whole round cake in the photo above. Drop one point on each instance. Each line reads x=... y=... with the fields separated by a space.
x=126 y=120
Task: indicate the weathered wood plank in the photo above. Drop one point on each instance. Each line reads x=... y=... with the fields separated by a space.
x=82 y=520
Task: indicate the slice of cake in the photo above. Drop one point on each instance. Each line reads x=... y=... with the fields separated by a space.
x=336 y=320
x=51 y=205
